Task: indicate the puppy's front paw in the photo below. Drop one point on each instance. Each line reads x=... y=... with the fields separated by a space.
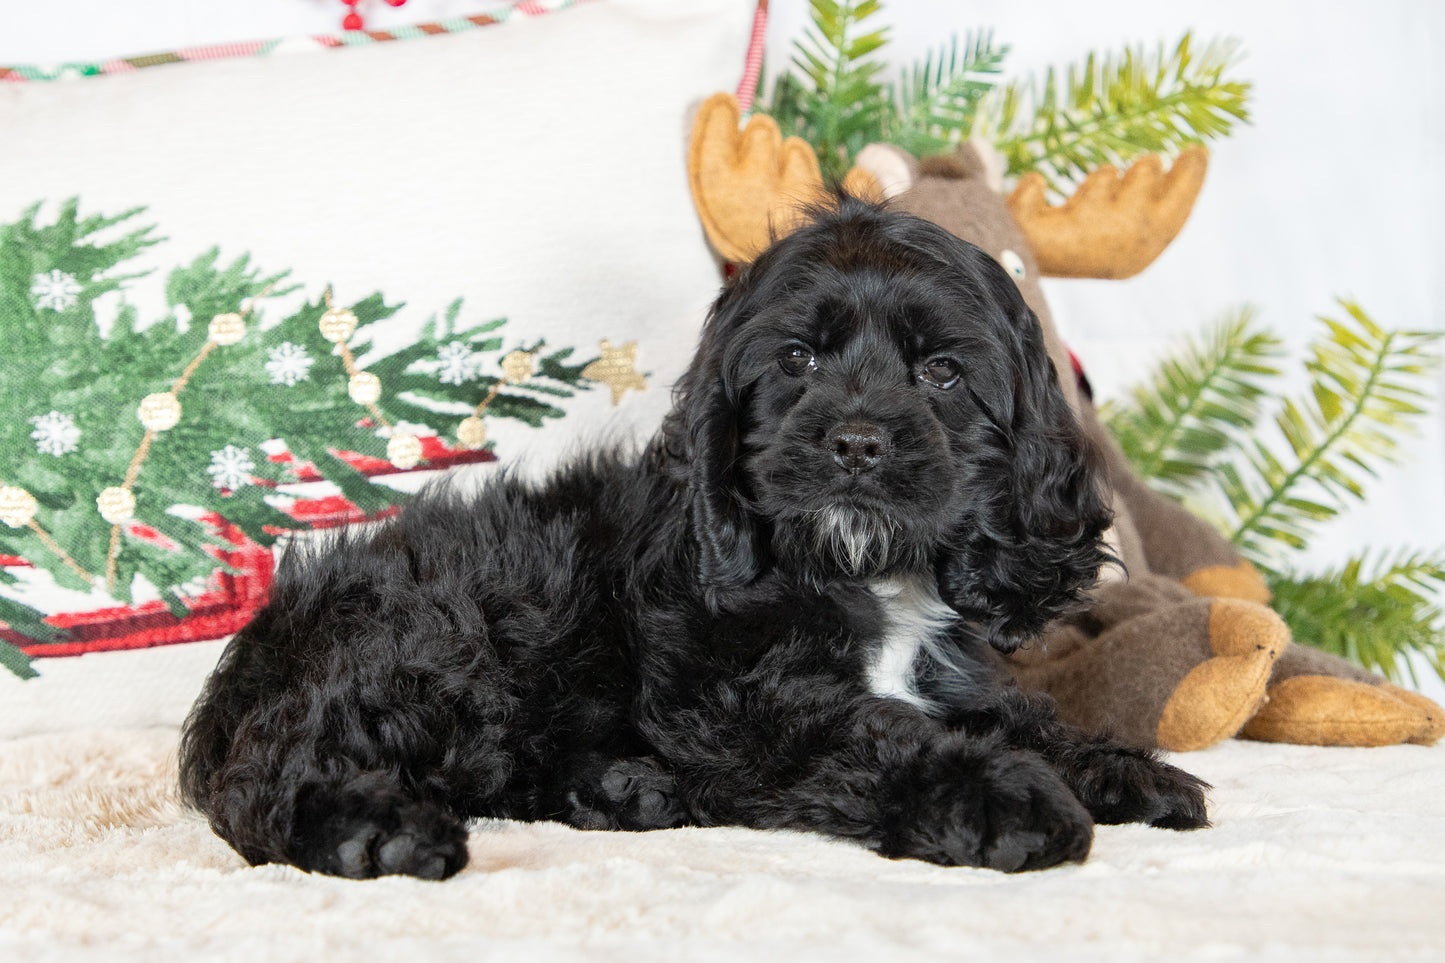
x=1121 y=784
x=1006 y=810
x=417 y=839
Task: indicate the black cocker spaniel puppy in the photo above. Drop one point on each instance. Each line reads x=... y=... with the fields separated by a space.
x=781 y=614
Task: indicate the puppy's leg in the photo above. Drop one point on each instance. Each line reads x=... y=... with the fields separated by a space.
x=277 y=799
x=790 y=750
x=1117 y=783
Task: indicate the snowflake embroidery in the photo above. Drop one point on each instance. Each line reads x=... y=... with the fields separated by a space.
x=55 y=433
x=231 y=467
x=56 y=290
x=458 y=364
x=289 y=364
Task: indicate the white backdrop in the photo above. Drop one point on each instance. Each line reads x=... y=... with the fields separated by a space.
x=1334 y=190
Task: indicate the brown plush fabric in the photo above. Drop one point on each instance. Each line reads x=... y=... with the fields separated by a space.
x=1303 y=660
x=1120 y=679
x=1113 y=226
x=1220 y=695
x=747 y=184
x=1321 y=710
x=1238 y=581
x=1433 y=727
x=1156 y=665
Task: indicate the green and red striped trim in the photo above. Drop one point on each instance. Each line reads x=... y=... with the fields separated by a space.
x=260 y=48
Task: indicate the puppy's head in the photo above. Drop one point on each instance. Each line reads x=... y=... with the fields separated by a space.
x=871 y=396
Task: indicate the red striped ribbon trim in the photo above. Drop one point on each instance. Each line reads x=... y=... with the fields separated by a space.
x=754 y=68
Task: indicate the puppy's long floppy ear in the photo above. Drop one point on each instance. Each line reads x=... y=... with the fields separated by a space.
x=704 y=439
x=1033 y=548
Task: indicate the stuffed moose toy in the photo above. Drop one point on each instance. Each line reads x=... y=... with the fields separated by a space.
x=1183 y=651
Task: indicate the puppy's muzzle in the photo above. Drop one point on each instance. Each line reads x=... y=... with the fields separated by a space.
x=857 y=446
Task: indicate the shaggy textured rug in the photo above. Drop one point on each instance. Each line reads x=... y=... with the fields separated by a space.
x=1316 y=854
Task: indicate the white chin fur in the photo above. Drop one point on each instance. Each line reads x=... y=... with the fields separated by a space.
x=858 y=541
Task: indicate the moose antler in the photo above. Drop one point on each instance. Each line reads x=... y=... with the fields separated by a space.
x=746 y=183
x=749 y=185
x=1113 y=227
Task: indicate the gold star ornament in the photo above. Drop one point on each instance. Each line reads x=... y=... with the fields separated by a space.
x=616 y=369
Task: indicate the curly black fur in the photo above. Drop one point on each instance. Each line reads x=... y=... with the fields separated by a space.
x=700 y=634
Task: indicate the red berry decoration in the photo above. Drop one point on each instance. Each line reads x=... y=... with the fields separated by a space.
x=396 y=3
x=352 y=21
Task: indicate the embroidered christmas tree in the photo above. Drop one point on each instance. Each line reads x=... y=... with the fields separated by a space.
x=127 y=440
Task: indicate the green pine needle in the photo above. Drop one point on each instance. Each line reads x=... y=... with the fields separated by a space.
x=936 y=100
x=1367 y=386
x=1176 y=424
x=1370 y=614
x=835 y=101
x=1113 y=109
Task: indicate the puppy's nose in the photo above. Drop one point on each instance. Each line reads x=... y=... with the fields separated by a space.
x=857 y=446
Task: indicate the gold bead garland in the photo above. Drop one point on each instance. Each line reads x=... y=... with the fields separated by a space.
x=227 y=328
x=17 y=506
x=517 y=367
x=364 y=388
x=160 y=412
x=337 y=324
x=403 y=449
x=116 y=504
x=472 y=433
x=17 y=509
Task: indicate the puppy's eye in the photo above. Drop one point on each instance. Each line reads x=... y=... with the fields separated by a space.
x=796 y=359
x=941 y=373
x=1013 y=264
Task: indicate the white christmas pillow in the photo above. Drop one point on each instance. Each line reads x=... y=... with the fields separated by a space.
x=251 y=296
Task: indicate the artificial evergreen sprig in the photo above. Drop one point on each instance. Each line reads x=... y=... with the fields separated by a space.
x=838 y=101
x=1178 y=421
x=1370 y=612
x=1366 y=386
x=1112 y=109
x=936 y=100
x=1109 y=109
x=1190 y=431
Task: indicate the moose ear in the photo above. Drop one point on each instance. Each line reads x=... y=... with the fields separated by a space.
x=1031 y=549
x=893 y=168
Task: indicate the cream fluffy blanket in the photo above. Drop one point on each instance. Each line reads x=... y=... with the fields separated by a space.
x=1316 y=854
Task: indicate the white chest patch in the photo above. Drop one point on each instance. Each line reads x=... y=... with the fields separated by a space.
x=916 y=618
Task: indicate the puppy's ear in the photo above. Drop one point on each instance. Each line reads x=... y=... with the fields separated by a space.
x=704 y=439
x=1032 y=545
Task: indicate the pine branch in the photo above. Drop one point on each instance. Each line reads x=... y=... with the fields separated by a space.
x=1367 y=386
x=1373 y=619
x=837 y=103
x=1113 y=109
x=1196 y=403
x=936 y=100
